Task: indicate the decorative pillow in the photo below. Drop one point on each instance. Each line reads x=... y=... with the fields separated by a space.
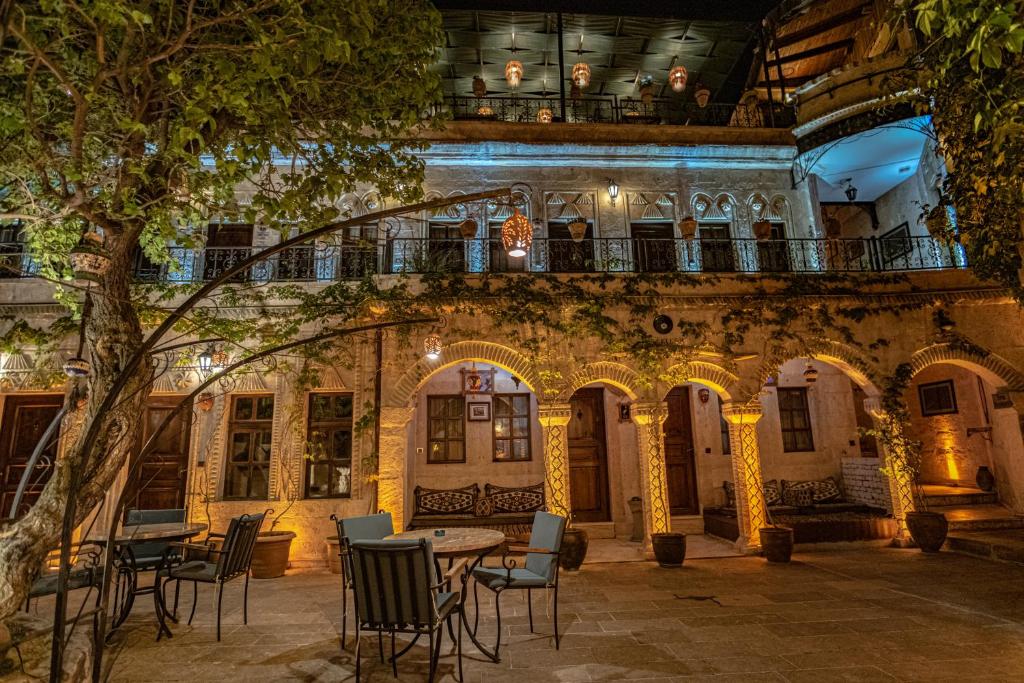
x=772 y=492
x=822 y=491
x=484 y=507
x=515 y=499
x=798 y=497
x=446 y=501
x=730 y=494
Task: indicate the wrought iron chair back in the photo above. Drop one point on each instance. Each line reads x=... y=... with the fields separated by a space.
x=239 y=542
x=392 y=583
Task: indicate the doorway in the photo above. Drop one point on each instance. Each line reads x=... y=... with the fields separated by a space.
x=654 y=247
x=25 y=419
x=160 y=482
x=588 y=457
x=680 y=461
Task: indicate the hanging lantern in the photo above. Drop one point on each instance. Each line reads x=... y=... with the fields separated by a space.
x=677 y=78
x=810 y=374
x=432 y=346
x=581 y=74
x=89 y=260
x=484 y=110
x=545 y=115
x=205 y=362
x=516 y=234
x=514 y=73
x=77 y=367
x=479 y=87
x=702 y=95
x=467 y=229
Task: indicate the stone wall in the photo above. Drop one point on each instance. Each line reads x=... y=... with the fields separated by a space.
x=864 y=482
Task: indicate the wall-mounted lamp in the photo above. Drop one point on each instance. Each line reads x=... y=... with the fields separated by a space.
x=810 y=374
x=432 y=346
x=704 y=395
x=206 y=361
x=613 y=190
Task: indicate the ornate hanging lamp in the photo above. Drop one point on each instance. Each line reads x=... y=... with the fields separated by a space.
x=545 y=115
x=581 y=74
x=514 y=73
x=516 y=234
x=432 y=346
x=702 y=95
x=677 y=78
x=89 y=259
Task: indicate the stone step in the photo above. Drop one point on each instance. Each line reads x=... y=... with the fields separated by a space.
x=935 y=495
x=597 y=529
x=978 y=517
x=1006 y=545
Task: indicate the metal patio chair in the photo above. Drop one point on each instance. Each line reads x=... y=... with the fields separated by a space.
x=394 y=590
x=232 y=562
x=540 y=571
x=142 y=557
x=365 y=528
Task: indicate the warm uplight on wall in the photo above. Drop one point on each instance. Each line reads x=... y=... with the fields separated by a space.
x=613 y=190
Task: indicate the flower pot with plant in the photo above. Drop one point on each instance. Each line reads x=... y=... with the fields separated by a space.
x=669 y=549
x=776 y=540
x=575 y=543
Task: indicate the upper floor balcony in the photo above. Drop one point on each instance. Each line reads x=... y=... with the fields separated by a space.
x=616 y=255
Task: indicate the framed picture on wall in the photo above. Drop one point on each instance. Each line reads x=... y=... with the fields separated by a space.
x=896 y=244
x=479 y=412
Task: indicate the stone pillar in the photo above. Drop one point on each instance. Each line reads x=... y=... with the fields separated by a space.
x=650 y=440
x=391 y=466
x=553 y=419
x=751 y=513
x=901 y=488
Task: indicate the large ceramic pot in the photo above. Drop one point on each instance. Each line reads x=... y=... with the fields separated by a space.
x=574 y=549
x=985 y=479
x=270 y=556
x=928 y=529
x=777 y=543
x=669 y=549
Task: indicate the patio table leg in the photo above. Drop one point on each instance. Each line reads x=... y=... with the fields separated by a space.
x=487 y=652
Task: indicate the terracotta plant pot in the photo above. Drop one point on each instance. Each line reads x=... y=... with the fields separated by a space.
x=928 y=529
x=577 y=230
x=762 y=230
x=777 y=542
x=688 y=228
x=270 y=557
x=467 y=229
x=985 y=480
x=574 y=549
x=333 y=555
x=669 y=549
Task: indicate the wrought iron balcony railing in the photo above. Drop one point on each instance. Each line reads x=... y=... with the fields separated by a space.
x=328 y=263
x=612 y=109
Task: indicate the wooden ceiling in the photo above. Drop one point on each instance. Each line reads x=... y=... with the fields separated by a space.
x=619 y=50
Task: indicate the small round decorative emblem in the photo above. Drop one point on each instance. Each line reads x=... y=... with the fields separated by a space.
x=663 y=324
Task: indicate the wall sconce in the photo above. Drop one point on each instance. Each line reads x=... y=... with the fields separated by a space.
x=810 y=374
x=613 y=190
x=206 y=361
x=432 y=346
x=704 y=395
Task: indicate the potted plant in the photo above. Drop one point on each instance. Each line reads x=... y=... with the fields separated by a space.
x=776 y=540
x=574 y=549
x=927 y=528
x=270 y=555
x=669 y=549
x=688 y=228
x=577 y=230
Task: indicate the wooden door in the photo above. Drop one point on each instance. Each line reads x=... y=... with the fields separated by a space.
x=588 y=457
x=160 y=482
x=716 y=248
x=25 y=419
x=654 y=247
x=680 y=468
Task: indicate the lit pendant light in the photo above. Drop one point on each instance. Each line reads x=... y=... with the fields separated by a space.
x=516 y=234
x=484 y=110
x=89 y=260
x=613 y=190
x=545 y=115
x=432 y=346
x=514 y=73
x=702 y=95
x=810 y=374
x=581 y=74
x=677 y=78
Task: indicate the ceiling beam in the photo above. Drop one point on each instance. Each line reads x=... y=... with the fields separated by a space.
x=835 y=21
x=844 y=44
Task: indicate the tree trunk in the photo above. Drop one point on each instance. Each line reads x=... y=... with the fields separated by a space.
x=113 y=332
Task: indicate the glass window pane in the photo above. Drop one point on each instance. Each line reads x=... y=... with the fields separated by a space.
x=455 y=407
x=521 y=404
x=436 y=428
x=436 y=406
x=243 y=408
x=501 y=449
x=240 y=447
x=455 y=450
x=436 y=452
x=502 y=405
x=502 y=427
x=342 y=445
x=344 y=404
x=520 y=449
x=455 y=429
x=520 y=426
x=341 y=481
x=318 y=482
x=237 y=482
x=258 y=484
x=261 y=451
x=265 y=408
x=319 y=407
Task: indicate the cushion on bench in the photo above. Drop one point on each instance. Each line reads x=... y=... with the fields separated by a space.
x=446 y=501
x=517 y=499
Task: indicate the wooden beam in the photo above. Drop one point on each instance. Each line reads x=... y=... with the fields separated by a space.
x=828 y=24
x=845 y=44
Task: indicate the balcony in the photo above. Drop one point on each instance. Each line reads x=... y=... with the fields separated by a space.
x=625 y=110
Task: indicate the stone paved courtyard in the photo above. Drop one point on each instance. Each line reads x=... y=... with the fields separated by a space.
x=858 y=614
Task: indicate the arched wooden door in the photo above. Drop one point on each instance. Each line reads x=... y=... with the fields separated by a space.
x=588 y=457
x=680 y=465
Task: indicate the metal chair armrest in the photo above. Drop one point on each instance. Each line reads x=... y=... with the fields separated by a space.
x=453 y=571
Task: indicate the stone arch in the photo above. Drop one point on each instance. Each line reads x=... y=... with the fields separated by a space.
x=718 y=379
x=461 y=352
x=838 y=355
x=995 y=370
x=615 y=374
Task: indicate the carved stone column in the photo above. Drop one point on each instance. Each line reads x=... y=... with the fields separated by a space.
x=650 y=440
x=553 y=419
x=751 y=513
x=391 y=467
x=901 y=489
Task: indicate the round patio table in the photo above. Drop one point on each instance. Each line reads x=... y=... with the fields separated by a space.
x=459 y=542
x=142 y=533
